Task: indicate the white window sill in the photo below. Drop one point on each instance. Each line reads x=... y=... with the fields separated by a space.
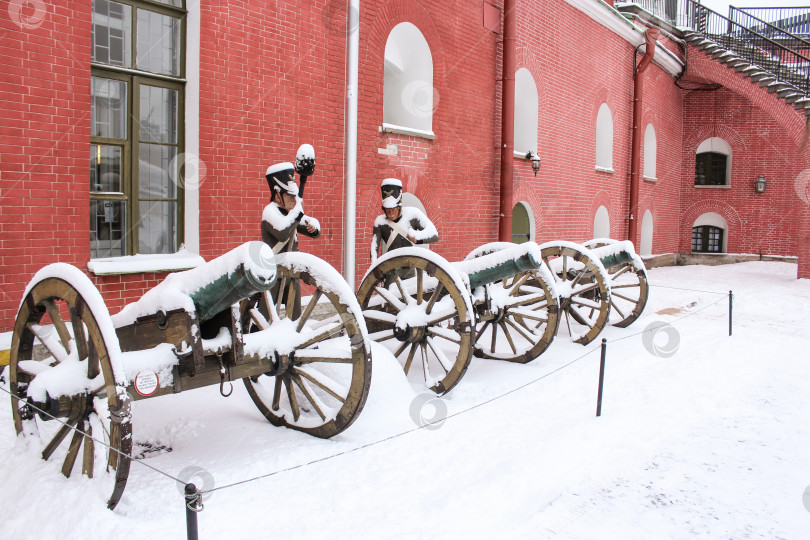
x=714 y=187
x=605 y=170
x=136 y=264
x=650 y=179
x=402 y=130
x=521 y=155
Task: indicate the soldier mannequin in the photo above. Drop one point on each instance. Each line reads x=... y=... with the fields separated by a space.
x=283 y=219
x=399 y=227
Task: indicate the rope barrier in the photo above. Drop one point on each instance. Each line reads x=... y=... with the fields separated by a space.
x=684 y=289
x=670 y=323
x=102 y=443
x=397 y=435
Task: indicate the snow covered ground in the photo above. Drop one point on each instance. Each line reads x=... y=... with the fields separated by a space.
x=708 y=437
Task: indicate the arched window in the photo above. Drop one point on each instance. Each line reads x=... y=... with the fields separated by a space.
x=526 y=100
x=408 y=94
x=601 y=223
x=522 y=223
x=604 y=139
x=646 y=234
x=713 y=163
x=650 y=150
x=709 y=234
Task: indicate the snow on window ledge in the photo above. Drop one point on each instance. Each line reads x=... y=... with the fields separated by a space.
x=136 y=264
x=403 y=130
x=725 y=186
x=650 y=179
x=605 y=170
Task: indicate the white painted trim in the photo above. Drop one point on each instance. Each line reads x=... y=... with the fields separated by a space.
x=192 y=123
x=136 y=264
x=605 y=170
x=404 y=130
x=614 y=21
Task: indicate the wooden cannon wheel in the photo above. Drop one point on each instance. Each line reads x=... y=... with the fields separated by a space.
x=57 y=337
x=583 y=288
x=416 y=305
x=521 y=310
x=628 y=286
x=321 y=386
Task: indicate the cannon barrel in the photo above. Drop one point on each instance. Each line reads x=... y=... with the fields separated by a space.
x=228 y=289
x=501 y=264
x=615 y=254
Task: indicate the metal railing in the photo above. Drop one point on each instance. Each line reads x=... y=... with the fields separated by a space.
x=794 y=20
x=776 y=29
x=789 y=64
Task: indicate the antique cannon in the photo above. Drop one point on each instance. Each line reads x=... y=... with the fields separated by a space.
x=216 y=323
x=503 y=302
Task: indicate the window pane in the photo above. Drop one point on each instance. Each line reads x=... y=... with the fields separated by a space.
x=112 y=24
x=105 y=168
x=175 y=3
x=158 y=43
x=154 y=179
x=156 y=227
x=697 y=239
x=158 y=115
x=108 y=108
x=107 y=238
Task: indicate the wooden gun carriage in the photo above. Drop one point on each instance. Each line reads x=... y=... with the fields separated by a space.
x=210 y=325
x=503 y=302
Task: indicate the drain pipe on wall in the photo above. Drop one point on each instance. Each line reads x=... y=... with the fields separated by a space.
x=350 y=191
x=507 y=120
x=650 y=36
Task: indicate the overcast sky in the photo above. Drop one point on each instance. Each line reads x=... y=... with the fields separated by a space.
x=721 y=6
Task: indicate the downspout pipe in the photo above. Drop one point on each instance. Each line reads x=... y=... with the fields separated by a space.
x=508 y=120
x=650 y=36
x=352 y=67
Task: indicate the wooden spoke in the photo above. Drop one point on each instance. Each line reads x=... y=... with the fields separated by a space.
x=89 y=456
x=494 y=338
x=303 y=360
x=508 y=337
x=57 y=439
x=433 y=297
x=73 y=452
x=292 y=398
x=615 y=286
x=269 y=306
x=518 y=330
x=300 y=384
x=382 y=335
x=388 y=297
x=420 y=276
x=79 y=335
x=444 y=362
x=93 y=365
x=381 y=316
x=410 y=358
x=325 y=334
x=58 y=323
x=517 y=284
x=282 y=286
x=56 y=349
x=587 y=288
x=258 y=319
x=618 y=310
x=291 y=298
x=401 y=349
x=320 y=385
x=313 y=301
x=277 y=394
x=433 y=332
x=405 y=297
x=441 y=318
x=621 y=271
x=617 y=295
x=425 y=368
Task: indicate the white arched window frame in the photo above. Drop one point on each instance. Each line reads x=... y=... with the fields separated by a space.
x=526 y=110
x=604 y=139
x=714 y=145
x=646 y=234
x=409 y=98
x=650 y=153
x=711 y=219
x=527 y=208
x=601 y=223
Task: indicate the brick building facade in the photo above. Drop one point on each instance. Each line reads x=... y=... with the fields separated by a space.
x=257 y=78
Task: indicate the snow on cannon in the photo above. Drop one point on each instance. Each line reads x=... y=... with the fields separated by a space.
x=503 y=302
x=207 y=326
x=436 y=315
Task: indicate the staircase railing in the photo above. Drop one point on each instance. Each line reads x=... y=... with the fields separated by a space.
x=778 y=29
x=794 y=20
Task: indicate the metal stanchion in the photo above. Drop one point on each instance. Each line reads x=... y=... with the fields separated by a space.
x=601 y=378
x=730 y=297
x=193 y=505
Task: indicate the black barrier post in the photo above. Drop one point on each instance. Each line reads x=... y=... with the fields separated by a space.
x=730 y=296
x=601 y=378
x=191 y=511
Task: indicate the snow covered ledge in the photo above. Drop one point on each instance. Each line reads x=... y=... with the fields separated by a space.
x=136 y=264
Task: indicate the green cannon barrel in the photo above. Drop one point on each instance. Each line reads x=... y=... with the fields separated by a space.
x=529 y=260
x=615 y=259
x=227 y=290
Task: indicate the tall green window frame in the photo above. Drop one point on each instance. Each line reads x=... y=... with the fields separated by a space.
x=707 y=239
x=137 y=127
x=710 y=169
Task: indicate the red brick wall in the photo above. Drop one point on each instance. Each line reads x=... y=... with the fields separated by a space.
x=273 y=77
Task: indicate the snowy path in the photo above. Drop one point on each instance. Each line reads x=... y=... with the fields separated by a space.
x=710 y=442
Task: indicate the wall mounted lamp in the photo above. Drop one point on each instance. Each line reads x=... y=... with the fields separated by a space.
x=759 y=184
x=535 y=161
